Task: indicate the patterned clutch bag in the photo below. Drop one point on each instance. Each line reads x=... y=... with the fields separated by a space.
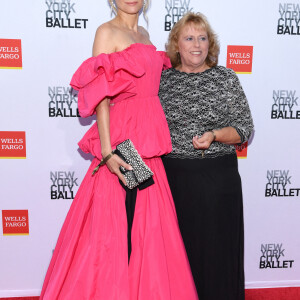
x=141 y=172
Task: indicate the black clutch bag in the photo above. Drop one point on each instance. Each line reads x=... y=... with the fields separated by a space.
x=140 y=172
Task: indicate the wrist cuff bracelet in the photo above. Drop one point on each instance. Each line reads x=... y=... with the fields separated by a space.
x=103 y=161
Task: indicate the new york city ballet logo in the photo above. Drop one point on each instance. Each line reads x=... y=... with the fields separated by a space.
x=241 y=150
x=239 y=59
x=61 y=14
x=289 y=19
x=62 y=102
x=15 y=222
x=273 y=257
x=285 y=105
x=63 y=185
x=10 y=54
x=279 y=184
x=12 y=144
x=175 y=9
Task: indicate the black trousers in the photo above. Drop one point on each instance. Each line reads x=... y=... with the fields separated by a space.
x=208 y=198
x=130 y=201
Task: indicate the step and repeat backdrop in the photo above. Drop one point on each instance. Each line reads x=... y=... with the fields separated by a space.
x=41 y=45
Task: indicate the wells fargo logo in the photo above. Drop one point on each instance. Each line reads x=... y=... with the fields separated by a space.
x=239 y=58
x=15 y=222
x=241 y=150
x=12 y=144
x=10 y=54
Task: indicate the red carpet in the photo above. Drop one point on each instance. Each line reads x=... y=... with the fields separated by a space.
x=292 y=293
x=252 y=294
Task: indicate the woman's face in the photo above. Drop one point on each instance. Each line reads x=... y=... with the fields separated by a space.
x=129 y=6
x=193 y=47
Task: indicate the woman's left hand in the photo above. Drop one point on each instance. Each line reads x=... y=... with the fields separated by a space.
x=204 y=141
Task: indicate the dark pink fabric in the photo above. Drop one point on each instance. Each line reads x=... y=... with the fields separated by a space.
x=90 y=261
x=291 y=293
x=130 y=78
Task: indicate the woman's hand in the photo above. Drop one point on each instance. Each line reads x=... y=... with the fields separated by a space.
x=204 y=141
x=227 y=135
x=114 y=164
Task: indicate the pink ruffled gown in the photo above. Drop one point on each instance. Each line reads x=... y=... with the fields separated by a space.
x=90 y=261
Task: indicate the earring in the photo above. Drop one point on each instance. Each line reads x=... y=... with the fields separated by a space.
x=113 y=7
x=145 y=7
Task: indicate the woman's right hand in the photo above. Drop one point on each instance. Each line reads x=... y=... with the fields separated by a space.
x=114 y=164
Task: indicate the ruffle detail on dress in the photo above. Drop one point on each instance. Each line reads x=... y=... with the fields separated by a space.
x=166 y=60
x=132 y=75
x=90 y=143
x=106 y=75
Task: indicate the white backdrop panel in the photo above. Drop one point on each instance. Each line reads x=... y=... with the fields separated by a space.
x=50 y=57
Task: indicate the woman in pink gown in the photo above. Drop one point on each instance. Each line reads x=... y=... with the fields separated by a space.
x=90 y=262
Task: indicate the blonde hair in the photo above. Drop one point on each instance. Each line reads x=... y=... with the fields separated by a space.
x=145 y=8
x=199 y=20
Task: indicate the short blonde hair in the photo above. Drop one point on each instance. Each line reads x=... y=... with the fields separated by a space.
x=199 y=20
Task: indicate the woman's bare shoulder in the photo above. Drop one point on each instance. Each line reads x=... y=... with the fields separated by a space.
x=144 y=32
x=104 y=42
x=107 y=28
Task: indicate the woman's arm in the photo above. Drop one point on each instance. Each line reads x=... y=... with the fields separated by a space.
x=239 y=117
x=226 y=135
x=104 y=44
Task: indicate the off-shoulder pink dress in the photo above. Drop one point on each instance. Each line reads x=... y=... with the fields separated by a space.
x=90 y=261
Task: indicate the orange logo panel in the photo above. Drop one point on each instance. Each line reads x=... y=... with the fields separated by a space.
x=239 y=58
x=10 y=54
x=12 y=144
x=241 y=150
x=15 y=222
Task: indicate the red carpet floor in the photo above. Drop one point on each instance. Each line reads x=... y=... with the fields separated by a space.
x=274 y=294
x=253 y=294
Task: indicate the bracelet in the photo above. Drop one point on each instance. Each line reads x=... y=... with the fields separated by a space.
x=103 y=162
x=213 y=135
x=106 y=158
